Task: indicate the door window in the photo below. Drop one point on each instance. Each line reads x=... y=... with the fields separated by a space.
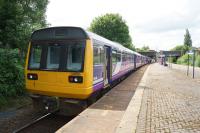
x=98 y=57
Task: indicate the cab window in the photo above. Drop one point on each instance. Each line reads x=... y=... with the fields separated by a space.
x=75 y=54
x=53 y=56
x=35 y=57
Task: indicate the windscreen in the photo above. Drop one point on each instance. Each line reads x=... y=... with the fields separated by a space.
x=59 y=56
x=35 y=57
x=53 y=56
x=74 y=57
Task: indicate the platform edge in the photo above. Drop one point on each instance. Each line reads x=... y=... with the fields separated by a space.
x=129 y=120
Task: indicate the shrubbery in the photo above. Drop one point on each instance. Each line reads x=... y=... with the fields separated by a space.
x=197 y=61
x=11 y=74
x=184 y=60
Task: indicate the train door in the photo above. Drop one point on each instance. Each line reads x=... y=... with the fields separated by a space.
x=107 y=67
x=134 y=60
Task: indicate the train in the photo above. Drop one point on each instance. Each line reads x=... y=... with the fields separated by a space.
x=68 y=66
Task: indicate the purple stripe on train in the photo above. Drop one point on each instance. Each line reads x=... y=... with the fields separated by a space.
x=98 y=72
x=118 y=75
x=98 y=86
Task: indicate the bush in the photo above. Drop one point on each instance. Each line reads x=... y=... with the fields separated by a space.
x=183 y=60
x=11 y=74
x=172 y=59
x=197 y=61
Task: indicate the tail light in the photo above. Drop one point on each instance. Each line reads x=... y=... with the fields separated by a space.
x=32 y=76
x=76 y=79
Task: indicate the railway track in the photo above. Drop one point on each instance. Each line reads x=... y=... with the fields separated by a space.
x=47 y=123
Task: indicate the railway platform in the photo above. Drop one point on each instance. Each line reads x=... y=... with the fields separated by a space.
x=185 y=70
x=165 y=100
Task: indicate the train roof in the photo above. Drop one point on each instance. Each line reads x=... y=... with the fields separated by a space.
x=62 y=32
x=108 y=42
x=53 y=33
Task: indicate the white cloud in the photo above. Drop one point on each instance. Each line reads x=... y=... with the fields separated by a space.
x=158 y=23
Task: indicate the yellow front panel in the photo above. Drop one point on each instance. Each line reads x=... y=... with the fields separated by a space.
x=56 y=83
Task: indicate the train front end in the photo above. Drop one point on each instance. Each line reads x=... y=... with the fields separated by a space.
x=59 y=65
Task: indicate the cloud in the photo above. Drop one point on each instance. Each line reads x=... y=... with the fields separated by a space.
x=160 y=24
x=170 y=23
x=189 y=17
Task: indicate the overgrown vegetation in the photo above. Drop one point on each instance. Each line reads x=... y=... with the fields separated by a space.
x=19 y=18
x=197 y=61
x=184 y=60
x=12 y=75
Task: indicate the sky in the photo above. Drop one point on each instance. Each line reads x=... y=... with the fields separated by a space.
x=159 y=24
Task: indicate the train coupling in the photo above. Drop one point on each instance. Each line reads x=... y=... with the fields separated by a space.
x=51 y=104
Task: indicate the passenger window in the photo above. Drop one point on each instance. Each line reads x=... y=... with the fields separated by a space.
x=102 y=55
x=118 y=57
x=98 y=57
x=123 y=57
x=36 y=52
x=53 y=57
x=114 y=57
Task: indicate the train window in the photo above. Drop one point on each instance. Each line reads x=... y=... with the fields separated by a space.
x=35 y=58
x=102 y=55
x=53 y=55
x=75 y=57
x=114 y=57
x=132 y=58
x=118 y=57
x=123 y=57
x=98 y=57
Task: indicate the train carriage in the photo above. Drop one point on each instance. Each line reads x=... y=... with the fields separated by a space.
x=73 y=64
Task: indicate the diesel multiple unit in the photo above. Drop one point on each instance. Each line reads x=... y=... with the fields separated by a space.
x=72 y=64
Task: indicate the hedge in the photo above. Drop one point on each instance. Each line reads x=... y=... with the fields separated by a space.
x=11 y=74
x=184 y=60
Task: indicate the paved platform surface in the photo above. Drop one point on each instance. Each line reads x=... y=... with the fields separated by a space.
x=170 y=103
x=105 y=115
x=183 y=69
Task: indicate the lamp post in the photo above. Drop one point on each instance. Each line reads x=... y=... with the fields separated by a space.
x=193 y=63
x=171 y=60
x=191 y=52
x=188 y=65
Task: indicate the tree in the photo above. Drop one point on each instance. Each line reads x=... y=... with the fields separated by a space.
x=178 y=48
x=187 y=39
x=19 y=18
x=182 y=48
x=112 y=27
x=143 y=49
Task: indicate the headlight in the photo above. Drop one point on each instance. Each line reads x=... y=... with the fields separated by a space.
x=76 y=79
x=32 y=76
